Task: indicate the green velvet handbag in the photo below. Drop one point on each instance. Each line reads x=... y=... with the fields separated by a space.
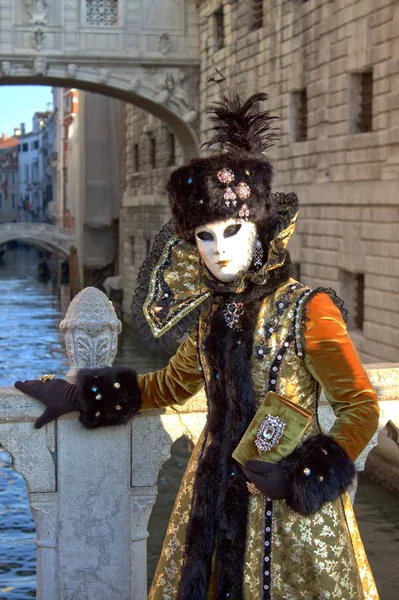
x=274 y=432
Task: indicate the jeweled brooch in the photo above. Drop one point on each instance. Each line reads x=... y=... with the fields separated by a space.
x=225 y=176
x=232 y=313
x=269 y=434
x=243 y=190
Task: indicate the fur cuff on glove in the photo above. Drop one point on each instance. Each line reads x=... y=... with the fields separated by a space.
x=107 y=396
x=319 y=470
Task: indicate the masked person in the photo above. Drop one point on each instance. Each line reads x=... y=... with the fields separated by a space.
x=280 y=526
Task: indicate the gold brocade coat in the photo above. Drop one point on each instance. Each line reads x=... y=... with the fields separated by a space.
x=300 y=345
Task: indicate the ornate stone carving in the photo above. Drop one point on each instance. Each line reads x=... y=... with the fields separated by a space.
x=39 y=66
x=6 y=68
x=38 y=11
x=103 y=75
x=72 y=70
x=164 y=43
x=39 y=38
x=172 y=94
x=134 y=84
x=91 y=330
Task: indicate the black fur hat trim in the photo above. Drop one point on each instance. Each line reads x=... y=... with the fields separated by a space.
x=107 y=396
x=319 y=470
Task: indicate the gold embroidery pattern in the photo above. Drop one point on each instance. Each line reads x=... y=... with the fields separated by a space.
x=369 y=587
x=320 y=556
x=312 y=556
x=166 y=578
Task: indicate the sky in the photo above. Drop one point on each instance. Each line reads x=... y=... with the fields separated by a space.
x=19 y=102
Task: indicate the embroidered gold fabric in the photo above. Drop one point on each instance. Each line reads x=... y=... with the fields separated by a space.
x=179 y=283
x=320 y=556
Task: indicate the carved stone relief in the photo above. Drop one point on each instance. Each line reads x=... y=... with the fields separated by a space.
x=172 y=94
x=38 y=12
x=164 y=43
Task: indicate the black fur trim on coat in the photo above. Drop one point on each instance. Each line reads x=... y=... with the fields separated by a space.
x=107 y=396
x=218 y=516
x=319 y=470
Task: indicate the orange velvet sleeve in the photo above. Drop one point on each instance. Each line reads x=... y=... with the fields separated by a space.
x=333 y=361
x=174 y=384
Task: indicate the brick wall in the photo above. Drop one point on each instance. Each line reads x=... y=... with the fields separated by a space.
x=145 y=206
x=347 y=181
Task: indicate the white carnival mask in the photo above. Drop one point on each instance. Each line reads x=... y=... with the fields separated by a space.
x=226 y=247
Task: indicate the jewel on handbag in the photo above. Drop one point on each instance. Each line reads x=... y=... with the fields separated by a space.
x=232 y=313
x=269 y=434
x=258 y=254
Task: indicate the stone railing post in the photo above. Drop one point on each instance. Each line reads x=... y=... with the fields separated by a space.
x=91 y=492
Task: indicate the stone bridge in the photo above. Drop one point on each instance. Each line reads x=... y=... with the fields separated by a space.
x=41 y=235
x=92 y=492
x=140 y=51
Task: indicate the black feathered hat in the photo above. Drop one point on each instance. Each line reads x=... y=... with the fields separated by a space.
x=235 y=183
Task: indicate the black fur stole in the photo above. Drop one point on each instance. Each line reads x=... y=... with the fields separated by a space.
x=218 y=517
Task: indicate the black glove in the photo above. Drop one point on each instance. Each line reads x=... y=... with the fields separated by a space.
x=59 y=396
x=269 y=478
x=317 y=471
x=103 y=396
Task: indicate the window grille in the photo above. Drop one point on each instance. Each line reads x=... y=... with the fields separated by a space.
x=361 y=102
x=172 y=149
x=218 y=24
x=153 y=152
x=132 y=251
x=102 y=12
x=136 y=158
x=352 y=292
x=256 y=14
x=147 y=246
x=365 y=122
x=359 y=301
x=300 y=115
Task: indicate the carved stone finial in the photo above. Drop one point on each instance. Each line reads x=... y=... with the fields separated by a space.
x=164 y=43
x=91 y=330
x=5 y=68
x=72 y=70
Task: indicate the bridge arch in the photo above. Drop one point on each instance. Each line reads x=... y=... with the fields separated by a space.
x=40 y=235
x=148 y=57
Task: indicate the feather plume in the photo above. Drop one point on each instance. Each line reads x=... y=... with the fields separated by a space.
x=241 y=126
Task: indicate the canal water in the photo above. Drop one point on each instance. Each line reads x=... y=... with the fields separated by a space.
x=30 y=345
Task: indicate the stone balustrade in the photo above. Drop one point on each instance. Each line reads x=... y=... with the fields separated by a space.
x=92 y=492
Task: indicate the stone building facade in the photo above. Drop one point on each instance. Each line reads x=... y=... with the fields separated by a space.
x=9 y=195
x=331 y=70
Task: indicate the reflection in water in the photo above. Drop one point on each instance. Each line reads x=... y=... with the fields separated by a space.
x=30 y=345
